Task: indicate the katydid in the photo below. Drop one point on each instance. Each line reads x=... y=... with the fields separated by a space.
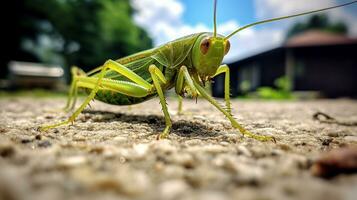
x=185 y=64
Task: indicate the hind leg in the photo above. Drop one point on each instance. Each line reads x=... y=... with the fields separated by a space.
x=73 y=91
x=123 y=87
x=139 y=88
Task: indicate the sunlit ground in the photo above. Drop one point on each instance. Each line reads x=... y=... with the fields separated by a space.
x=112 y=151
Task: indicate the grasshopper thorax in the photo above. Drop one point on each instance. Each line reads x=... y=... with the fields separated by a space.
x=208 y=52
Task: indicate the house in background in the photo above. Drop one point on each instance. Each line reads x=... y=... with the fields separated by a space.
x=26 y=75
x=314 y=61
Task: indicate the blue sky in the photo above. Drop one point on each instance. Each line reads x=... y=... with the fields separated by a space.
x=166 y=20
x=241 y=10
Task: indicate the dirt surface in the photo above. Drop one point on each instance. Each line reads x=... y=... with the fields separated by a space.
x=111 y=152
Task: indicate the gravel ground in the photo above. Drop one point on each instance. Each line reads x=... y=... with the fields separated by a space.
x=111 y=152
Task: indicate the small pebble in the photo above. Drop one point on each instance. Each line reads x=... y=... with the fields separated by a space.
x=212 y=195
x=6 y=150
x=73 y=161
x=183 y=159
x=140 y=150
x=333 y=134
x=284 y=147
x=163 y=146
x=44 y=144
x=199 y=117
x=38 y=137
x=26 y=140
x=351 y=138
x=172 y=189
x=337 y=161
x=326 y=141
x=243 y=150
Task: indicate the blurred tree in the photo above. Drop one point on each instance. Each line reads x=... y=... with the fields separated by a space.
x=70 y=32
x=319 y=22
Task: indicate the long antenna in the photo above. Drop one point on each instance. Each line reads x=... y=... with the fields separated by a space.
x=285 y=17
x=215 y=19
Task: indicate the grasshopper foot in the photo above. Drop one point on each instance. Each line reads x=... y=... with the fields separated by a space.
x=262 y=138
x=181 y=113
x=164 y=134
x=47 y=127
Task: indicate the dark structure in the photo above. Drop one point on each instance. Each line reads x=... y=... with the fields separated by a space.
x=313 y=61
x=35 y=75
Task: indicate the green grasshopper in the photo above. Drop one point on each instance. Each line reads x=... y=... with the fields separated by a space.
x=186 y=64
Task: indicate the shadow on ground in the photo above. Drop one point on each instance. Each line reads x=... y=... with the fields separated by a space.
x=182 y=128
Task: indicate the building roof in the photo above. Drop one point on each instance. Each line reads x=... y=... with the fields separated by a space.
x=35 y=69
x=318 y=38
x=313 y=38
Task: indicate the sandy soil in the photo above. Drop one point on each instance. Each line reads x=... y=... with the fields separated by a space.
x=111 y=152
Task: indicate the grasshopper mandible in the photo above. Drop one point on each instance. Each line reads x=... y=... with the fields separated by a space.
x=186 y=64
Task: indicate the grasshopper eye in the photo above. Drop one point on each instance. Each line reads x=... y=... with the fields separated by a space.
x=227 y=46
x=205 y=44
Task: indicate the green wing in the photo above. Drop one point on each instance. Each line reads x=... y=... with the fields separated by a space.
x=140 y=67
x=168 y=55
x=174 y=53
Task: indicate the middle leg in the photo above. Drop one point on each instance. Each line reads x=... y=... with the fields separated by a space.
x=158 y=77
x=184 y=80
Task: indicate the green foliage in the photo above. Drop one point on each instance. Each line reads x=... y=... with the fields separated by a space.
x=282 y=91
x=283 y=84
x=318 y=22
x=245 y=86
x=73 y=32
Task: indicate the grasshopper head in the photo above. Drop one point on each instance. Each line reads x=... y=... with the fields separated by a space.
x=209 y=49
x=208 y=52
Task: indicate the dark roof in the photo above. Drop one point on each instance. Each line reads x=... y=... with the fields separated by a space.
x=313 y=38
x=318 y=38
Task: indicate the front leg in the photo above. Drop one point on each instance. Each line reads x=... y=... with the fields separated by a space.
x=234 y=123
x=225 y=69
x=184 y=80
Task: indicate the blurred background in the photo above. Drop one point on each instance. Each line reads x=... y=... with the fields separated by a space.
x=305 y=57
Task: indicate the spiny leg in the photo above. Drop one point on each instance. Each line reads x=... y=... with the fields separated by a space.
x=157 y=76
x=72 y=94
x=234 y=123
x=121 y=69
x=75 y=95
x=123 y=87
x=78 y=111
x=113 y=86
x=225 y=69
x=179 y=109
x=184 y=80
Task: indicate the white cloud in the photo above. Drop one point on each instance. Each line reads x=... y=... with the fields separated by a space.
x=256 y=40
x=252 y=41
x=275 y=8
x=163 y=19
